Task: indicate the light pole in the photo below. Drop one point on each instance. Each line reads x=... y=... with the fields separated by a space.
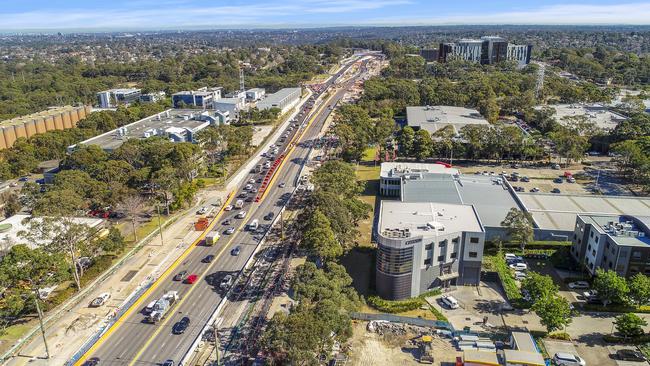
x=162 y=243
x=216 y=341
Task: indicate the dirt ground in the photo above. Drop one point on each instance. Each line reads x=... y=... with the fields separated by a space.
x=372 y=349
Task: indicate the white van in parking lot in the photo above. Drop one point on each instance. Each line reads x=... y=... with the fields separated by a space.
x=450 y=302
x=567 y=359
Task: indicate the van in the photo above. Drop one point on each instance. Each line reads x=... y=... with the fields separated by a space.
x=567 y=359
x=450 y=302
x=253 y=225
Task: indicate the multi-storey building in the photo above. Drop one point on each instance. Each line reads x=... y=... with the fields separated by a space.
x=487 y=50
x=201 y=98
x=619 y=243
x=113 y=97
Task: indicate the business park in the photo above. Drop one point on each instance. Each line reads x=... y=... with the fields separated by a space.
x=434 y=221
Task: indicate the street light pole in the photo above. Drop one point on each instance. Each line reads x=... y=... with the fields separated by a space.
x=216 y=341
x=162 y=243
x=40 y=320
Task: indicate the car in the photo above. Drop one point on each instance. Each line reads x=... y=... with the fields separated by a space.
x=235 y=251
x=526 y=295
x=510 y=256
x=228 y=208
x=202 y=210
x=242 y=195
x=269 y=216
x=520 y=275
x=556 y=166
x=23 y=179
x=249 y=199
x=230 y=230
x=208 y=258
x=571 y=180
x=589 y=294
x=180 y=276
x=558 y=180
x=13 y=184
x=94 y=361
x=579 y=285
x=191 y=279
x=534 y=189
x=525 y=179
x=595 y=300
x=519 y=266
x=567 y=359
x=630 y=355
x=100 y=300
x=282 y=185
x=168 y=363
x=226 y=222
x=181 y=326
x=556 y=190
x=251 y=181
x=450 y=302
x=226 y=282
x=519 y=189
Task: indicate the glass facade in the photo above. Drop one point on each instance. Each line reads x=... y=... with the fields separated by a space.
x=394 y=261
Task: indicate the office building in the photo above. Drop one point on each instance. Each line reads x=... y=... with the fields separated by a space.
x=230 y=105
x=115 y=97
x=152 y=97
x=429 y=55
x=434 y=118
x=176 y=125
x=255 y=94
x=201 y=98
x=426 y=245
x=487 y=51
x=57 y=118
x=392 y=174
x=619 y=243
x=283 y=99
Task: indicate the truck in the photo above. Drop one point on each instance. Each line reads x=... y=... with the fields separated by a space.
x=211 y=238
x=161 y=307
x=253 y=225
x=239 y=204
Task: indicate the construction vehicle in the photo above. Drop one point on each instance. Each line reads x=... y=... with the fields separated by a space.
x=161 y=307
x=426 y=351
x=211 y=238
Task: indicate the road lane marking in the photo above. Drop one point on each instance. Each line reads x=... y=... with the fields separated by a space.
x=178 y=304
x=148 y=292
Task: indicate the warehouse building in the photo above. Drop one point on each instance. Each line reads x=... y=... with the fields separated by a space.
x=115 y=97
x=425 y=245
x=434 y=118
x=58 y=118
x=600 y=115
x=284 y=99
x=177 y=125
x=230 y=105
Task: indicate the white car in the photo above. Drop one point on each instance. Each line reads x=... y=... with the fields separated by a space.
x=202 y=210
x=520 y=275
x=251 y=181
x=568 y=359
x=510 y=256
x=100 y=300
x=579 y=285
x=590 y=293
x=450 y=302
x=519 y=266
x=230 y=230
x=228 y=208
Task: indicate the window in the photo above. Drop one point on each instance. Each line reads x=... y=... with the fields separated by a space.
x=636 y=254
x=441 y=258
x=593 y=252
x=453 y=255
x=473 y=254
x=442 y=243
x=428 y=246
x=591 y=234
x=634 y=269
x=575 y=236
x=473 y=240
x=589 y=247
x=610 y=265
x=455 y=240
x=427 y=262
x=647 y=271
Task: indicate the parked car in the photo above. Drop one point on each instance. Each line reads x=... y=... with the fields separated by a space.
x=630 y=355
x=226 y=222
x=534 y=189
x=590 y=293
x=202 y=211
x=450 y=302
x=571 y=180
x=558 y=180
x=556 y=166
x=567 y=359
x=208 y=258
x=180 y=276
x=578 y=285
x=510 y=256
x=519 y=266
x=181 y=326
x=168 y=363
x=520 y=275
x=100 y=300
x=235 y=251
x=94 y=361
x=525 y=179
x=191 y=279
x=556 y=190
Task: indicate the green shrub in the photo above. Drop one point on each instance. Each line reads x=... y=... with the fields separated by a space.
x=397 y=306
x=505 y=275
x=563 y=336
x=60 y=297
x=100 y=264
x=440 y=316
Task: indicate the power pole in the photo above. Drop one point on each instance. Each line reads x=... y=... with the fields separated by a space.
x=40 y=320
x=281 y=224
x=216 y=341
x=162 y=243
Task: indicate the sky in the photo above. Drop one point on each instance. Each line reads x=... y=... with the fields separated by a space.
x=220 y=14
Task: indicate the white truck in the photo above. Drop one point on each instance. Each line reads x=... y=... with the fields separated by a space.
x=161 y=307
x=253 y=225
x=211 y=238
x=239 y=204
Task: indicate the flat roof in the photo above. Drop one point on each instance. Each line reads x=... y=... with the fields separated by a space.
x=228 y=101
x=277 y=97
x=481 y=357
x=491 y=199
x=434 y=118
x=524 y=357
x=627 y=236
x=181 y=118
x=121 y=90
x=10 y=237
x=524 y=341
x=425 y=218
x=597 y=113
x=559 y=211
x=42 y=114
x=393 y=169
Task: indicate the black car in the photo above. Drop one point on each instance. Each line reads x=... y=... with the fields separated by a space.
x=269 y=216
x=181 y=326
x=208 y=258
x=227 y=222
x=630 y=355
x=92 y=362
x=181 y=276
x=249 y=199
x=168 y=363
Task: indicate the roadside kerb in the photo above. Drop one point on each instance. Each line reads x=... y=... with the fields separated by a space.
x=155 y=284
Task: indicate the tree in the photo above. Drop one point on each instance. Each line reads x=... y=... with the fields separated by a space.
x=132 y=206
x=319 y=237
x=519 y=225
x=406 y=141
x=337 y=177
x=423 y=145
x=611 y=287
x=639 y=286
x=11 y=203
x=539 y=286
x=630 y=325
x=23 y=272
x=554 y=312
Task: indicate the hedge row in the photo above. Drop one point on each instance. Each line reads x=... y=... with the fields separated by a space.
x=505 y=275
x=400 y=306
x=611 y=308
x=535 y=245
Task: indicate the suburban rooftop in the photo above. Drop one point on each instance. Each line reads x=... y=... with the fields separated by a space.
x=434 y=118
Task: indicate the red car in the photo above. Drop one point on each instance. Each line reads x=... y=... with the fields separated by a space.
x=191 y=278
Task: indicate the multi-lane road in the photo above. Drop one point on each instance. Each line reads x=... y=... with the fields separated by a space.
x=132 y=341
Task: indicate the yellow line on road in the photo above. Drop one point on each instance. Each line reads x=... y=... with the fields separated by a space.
x=185 y=297
x=142 y=297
